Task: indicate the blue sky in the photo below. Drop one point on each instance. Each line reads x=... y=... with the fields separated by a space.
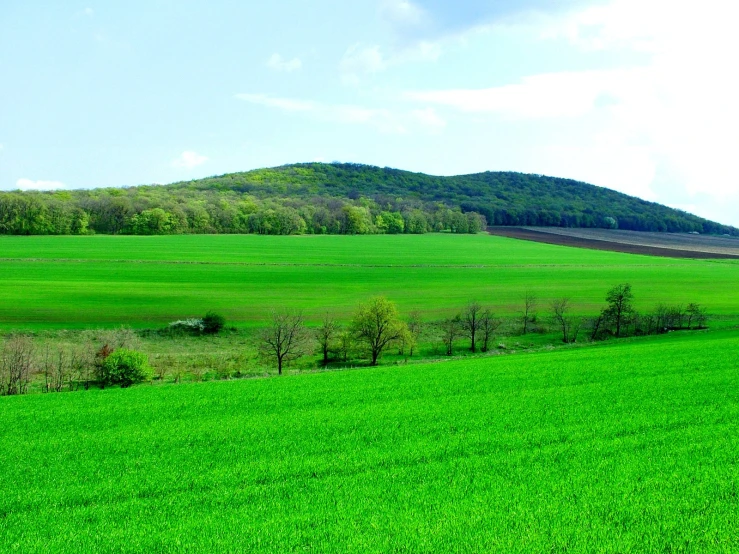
x=639 y=96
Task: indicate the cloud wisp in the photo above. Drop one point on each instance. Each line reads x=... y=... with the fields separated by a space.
x=189 y=160
x=277 y=63
x=381 y=119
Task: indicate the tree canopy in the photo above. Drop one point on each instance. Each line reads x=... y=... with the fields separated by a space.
x=340 y=199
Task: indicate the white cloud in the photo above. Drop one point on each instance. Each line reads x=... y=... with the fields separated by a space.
x=662 y=128
x=189 y=160
x=381 y=119
x=550 y=95
x=28 y=184
x=287 y=104
x=361 y=60
x=430 y=119
x=402 y=12
x=277 y=63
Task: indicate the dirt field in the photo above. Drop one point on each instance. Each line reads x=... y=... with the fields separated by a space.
x=671 y=245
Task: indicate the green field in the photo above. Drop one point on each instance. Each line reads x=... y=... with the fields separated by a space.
x=627 y=446
x=143 y=281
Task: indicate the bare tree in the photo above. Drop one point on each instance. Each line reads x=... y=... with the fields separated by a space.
x=569 y=325
x=16 y=365
x=326 y=334
x=450 y=329
x=344 y=345
x=528 y=314
x=470 y=321
x=286 y=338
x=415 y=328
x=376 y=324
x=595 y=324
x=696 y=314
x=56 y=369
x=489 y=324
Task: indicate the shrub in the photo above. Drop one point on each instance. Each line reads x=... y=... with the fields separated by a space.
x=125 y=367
x=213 y=323
x=192 y=326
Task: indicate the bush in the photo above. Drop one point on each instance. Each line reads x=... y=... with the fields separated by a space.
x=192 y=326
x=125 y=367
x=213 y=323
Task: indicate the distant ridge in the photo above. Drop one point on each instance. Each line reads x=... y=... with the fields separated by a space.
x=341 y=198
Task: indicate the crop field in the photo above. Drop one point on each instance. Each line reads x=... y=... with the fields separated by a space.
x=675 y=245
x=622 y=447
x=67 y=282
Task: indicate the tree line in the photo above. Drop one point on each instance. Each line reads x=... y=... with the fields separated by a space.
x=338 y=199
x=113 y=357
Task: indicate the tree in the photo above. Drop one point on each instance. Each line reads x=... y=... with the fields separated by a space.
x=450 y=329
x=488 y=325
x=620 y=309
x=470 y=322
x=528 y=314
x=326 y=334
x=376 y=325
x=344 y=345
x=16 y=365
x=285 y=339
x=415 y=328
x=696 y=314
x=569 y=326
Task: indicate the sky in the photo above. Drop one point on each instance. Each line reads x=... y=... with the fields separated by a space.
x=636 y=95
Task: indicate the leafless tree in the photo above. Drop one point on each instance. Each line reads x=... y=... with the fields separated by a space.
x=286 y=338
x=696 y=314
x=415 y=328
x=489 y=324
x=16 y=365
x=450 y=329
x=528 y=314
x=471 y=322
x=326 y=334
x=595 y=325
x=56 y=369
x=344 y=345
x=570 y=326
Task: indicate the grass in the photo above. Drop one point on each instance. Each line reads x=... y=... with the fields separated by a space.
x=59 y=282
x=628 y=446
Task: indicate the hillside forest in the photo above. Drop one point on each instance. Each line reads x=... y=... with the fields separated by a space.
x=337 y=198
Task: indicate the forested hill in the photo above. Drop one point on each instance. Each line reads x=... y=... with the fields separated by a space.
x=340 y=198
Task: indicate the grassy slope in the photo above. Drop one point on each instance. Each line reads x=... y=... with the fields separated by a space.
x=627 y=446
x=77 y=281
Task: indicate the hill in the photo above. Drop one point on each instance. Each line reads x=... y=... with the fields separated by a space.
x=340 y=199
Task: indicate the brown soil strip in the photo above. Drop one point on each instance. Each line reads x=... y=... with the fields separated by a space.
x=594 y=244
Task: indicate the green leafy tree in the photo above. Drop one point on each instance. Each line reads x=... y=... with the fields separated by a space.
x=620 y=309
x=376 y=325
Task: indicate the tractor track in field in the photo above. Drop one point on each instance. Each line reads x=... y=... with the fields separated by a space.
x=279 y=264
